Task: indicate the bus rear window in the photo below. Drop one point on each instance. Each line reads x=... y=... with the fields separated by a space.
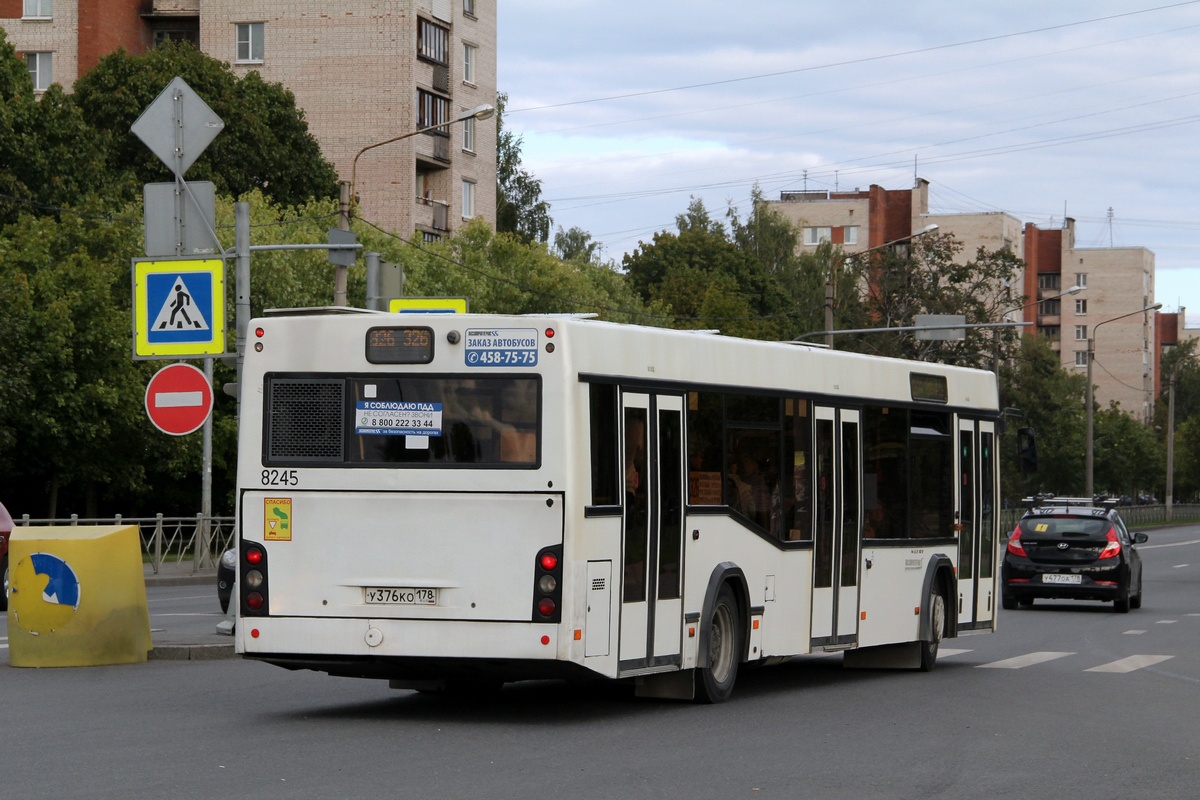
x=388 y=420
x=462 y=421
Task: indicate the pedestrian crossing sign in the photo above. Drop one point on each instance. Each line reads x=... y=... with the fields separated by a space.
x=178 y=308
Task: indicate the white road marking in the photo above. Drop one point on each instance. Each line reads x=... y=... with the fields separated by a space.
x=1133 y=633
x=1129 y=664
x=1168 y=544
x=946 y=652
x=1024 y=661
x=1180 y=566
x=1166 y=622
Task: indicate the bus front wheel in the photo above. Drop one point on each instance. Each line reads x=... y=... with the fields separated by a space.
x=724 y=638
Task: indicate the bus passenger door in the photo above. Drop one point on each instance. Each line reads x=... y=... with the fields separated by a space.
x=838 y=543
x=652 y=559
x=977 y=532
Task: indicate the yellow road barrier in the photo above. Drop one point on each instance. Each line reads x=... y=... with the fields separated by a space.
x=77 y=597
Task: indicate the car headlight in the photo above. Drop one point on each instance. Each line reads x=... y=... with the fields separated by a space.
x=229 y=559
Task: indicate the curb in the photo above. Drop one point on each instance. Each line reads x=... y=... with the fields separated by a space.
x=191 y=652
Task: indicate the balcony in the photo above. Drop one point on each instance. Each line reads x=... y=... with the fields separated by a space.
x=431 y=215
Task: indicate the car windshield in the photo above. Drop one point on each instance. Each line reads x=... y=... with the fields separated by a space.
x=1041 y=526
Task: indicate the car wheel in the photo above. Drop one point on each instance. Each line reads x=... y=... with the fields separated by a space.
x=4 y=590
x=1008 y=603
x=1121 y=604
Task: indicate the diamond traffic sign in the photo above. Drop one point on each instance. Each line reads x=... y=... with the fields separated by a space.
x=177 y=126
x=178 y=308
x=178 y=399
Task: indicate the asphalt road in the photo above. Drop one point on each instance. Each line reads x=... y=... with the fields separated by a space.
x=1068 y=700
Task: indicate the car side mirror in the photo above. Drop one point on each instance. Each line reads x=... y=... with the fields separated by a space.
x=1026 y=451
x=1140 y=538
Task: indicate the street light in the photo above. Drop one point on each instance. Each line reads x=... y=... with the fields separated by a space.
x=340 y=274
x=830 y=285
x=480 y=112
x=1091 y=352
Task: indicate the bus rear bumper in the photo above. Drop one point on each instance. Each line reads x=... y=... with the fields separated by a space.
x=407 y=649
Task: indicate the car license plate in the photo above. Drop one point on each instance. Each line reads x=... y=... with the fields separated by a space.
x=1059 y=578
x=400 y=597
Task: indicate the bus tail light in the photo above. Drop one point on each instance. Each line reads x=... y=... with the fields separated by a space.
x=253 y=583
x=547 y=585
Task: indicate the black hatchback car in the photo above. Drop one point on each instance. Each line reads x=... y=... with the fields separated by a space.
x=1072 y=548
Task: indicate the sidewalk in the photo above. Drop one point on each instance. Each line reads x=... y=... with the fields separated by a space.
x=179 y=645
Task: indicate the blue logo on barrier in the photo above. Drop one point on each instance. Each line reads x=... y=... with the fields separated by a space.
x=63 y=588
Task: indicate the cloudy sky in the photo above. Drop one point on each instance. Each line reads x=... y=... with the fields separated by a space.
x=1085 y=109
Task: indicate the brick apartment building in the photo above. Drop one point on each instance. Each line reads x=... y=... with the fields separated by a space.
x=1112 y=281
x=364 y=71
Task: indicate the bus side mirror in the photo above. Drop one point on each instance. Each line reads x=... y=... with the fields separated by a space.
x=1026 y=451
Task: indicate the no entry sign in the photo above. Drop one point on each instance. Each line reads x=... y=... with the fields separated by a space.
x=178 y=399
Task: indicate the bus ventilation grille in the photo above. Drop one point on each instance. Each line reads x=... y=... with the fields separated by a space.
x=305 y=420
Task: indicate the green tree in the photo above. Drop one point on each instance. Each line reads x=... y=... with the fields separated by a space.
x=52 y=158
x=1183 y=363
x=520 y=209
x=264 y=145
x=708 y=281
x=72 y=418
x=771 y=241
x=1187 y=461
x=1051 y=401
x=1127 y=457
x=924 y=277
x=576 y=244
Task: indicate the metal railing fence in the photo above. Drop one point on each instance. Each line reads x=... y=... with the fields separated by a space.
x=1134 y=516
x=199 y=539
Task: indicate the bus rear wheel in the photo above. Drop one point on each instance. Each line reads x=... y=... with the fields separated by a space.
x=724 y=637
x=937 y=626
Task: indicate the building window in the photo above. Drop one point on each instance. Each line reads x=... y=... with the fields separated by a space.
x=164 y=35
x=851 y=234
x=817 y=235
x=468 y=199
x=468 y=132
x=433 y=42
x=1080 y=307
x=41 y=70
x=249 y=42
x=1050 y=308
x=1081 y=358
x=430 y=238
x=1049 y=331
x=469 y=7
x=469 y=63
x=1049 y=280
x=37 y=9
x=1081 y=333
x=1081 y=280
x=432 y=110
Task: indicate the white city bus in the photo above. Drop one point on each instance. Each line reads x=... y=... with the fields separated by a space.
x=462 y=500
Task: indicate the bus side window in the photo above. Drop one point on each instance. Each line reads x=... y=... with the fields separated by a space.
x=603 y=434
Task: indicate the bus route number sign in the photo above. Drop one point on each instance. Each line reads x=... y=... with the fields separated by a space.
x=502 y=347
x=393 y=418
